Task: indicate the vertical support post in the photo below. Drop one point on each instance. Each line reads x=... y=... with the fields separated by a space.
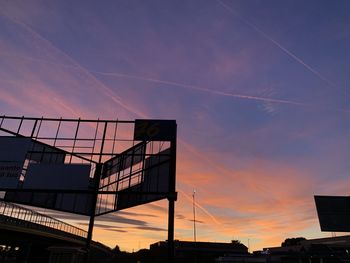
x=25 y=252
x=194 y=217
x=97 y=177
x=194 y=226
x=75 y=140
x=20 y=125
x=34 y=127
x=171 y=216
x=172 y=198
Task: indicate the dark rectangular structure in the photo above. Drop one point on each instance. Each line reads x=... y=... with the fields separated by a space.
x=155 y=130
x=333 y=213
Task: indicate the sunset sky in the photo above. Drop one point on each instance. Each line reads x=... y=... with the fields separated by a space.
x=259 y=90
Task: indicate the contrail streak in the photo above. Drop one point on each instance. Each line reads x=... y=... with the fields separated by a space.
x=111 y=94
x=193 y=87
x=266 y=36
x=102 y=86
x=172 y=83
x=201 y=208
x=15 y=55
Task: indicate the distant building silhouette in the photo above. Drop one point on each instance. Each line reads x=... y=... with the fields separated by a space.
x=322 y=250
x=292 y=241
x=203 y=252
x=299 y=250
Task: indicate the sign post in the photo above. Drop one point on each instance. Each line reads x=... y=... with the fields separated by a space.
x=92 y=215
x=163 y=130
x=172 y=198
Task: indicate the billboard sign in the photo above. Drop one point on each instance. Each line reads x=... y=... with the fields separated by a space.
x=63 y=164
x=333 y=213
x=81 y=165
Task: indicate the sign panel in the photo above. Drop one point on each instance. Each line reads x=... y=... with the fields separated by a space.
x=154 y=186
x=333 y=213
x=13 y=152
x=155 y=130
x=51 y=176
x=66 y=202
x=57 y=176
x=124 y=161
x=140 y=181
x=29 y=164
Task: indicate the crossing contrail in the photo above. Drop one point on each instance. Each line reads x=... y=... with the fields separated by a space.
x=200 y=207
x=172 y=83
x=193 y=87
x=118 y=100
x=285 y=50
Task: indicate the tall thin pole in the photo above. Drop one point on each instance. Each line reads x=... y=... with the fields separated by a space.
x=194 y=216
x=172 y=198
x=194 y=225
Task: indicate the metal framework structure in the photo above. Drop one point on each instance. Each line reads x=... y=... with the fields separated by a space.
x=131 y=163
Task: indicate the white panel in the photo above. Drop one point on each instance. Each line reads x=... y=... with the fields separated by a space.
x=58 y=176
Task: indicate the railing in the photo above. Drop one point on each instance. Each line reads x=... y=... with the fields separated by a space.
x=19 y=215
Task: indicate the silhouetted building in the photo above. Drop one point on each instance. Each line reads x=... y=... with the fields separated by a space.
x=298 y=250
x=248 y=258
x=322 y=250
x=188 y=251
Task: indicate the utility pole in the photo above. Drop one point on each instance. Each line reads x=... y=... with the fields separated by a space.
x=194 y=225
x=194 y=216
